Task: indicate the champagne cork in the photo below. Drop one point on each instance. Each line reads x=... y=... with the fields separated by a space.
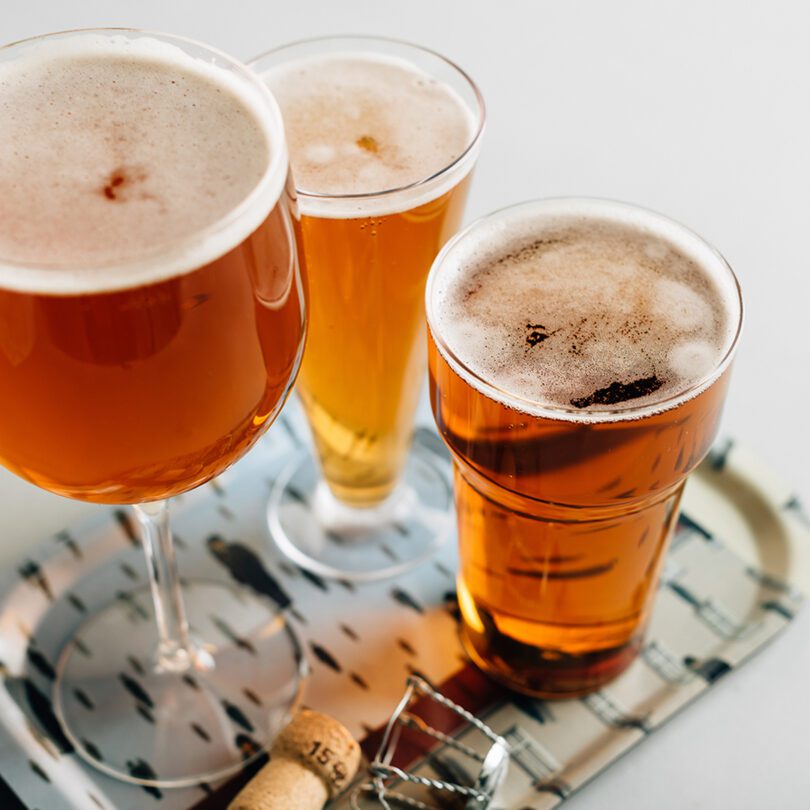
x=311 y=761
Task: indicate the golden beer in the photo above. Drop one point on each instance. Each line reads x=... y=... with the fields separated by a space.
x=151 y=309
x=132 y=395
x=362 y=372
x=579 y=359
x=381 y=154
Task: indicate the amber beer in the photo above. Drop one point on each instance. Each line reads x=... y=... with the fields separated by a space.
x=151 y=310
x=579 y=357
x=381 y=154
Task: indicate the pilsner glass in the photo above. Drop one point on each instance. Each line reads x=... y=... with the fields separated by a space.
x=151 y=326
x=579 y=356
x=383 y=137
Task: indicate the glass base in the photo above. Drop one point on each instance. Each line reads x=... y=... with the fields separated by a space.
x=157 y=728
x=327 y=537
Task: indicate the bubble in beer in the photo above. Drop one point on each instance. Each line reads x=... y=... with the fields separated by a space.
x=320 y=153
x=680 y=304
x=691 y=358
x=581 y=311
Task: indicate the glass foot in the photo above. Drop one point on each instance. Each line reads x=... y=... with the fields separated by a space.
x=323 y=535
x=169 y=729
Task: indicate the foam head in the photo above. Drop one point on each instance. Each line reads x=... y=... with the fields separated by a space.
x=360 y=123
x=590 y=309
x=117 y=147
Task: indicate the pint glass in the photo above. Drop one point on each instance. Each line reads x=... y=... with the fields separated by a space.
x=579 y=356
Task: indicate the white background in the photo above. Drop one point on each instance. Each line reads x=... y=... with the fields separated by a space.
x=698 y=109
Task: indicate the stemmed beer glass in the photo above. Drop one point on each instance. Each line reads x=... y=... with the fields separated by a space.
x=384 y=136
x=152 y=322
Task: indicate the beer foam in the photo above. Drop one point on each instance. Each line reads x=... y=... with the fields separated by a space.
x=585 y=310
x=361 y=126
x=126 y=160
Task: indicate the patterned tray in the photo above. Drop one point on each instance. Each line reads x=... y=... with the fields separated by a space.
x=713 y=611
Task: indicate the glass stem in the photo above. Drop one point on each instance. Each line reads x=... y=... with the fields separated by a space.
x=175 y=651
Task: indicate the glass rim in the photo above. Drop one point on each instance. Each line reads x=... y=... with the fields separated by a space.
x=278 y=163
x=537 y=408
x=475 y=139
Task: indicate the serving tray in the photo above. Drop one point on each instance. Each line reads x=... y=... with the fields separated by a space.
x=715 y=608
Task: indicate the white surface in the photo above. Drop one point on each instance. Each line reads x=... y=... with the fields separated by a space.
x=697 y=109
